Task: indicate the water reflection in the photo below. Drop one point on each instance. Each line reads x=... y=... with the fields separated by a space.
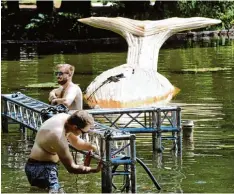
x=14 y=152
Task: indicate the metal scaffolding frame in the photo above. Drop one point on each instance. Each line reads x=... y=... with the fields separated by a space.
x=22 y=109
x=115 y=147
x=164 y=122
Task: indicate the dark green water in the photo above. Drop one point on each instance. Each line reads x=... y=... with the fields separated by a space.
x=207 y=163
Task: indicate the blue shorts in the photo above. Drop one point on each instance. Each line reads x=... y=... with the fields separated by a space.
x=42 y=174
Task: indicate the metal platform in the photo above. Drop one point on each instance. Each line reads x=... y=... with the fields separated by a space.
x=164 y=122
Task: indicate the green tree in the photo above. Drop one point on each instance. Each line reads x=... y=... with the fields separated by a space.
x=164 y=9
x=223 y=10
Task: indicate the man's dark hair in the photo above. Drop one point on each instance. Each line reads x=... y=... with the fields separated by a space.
x=81 y=119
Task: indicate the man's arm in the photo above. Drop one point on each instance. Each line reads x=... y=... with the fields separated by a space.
x=65 y=157
x=68 y=97
x=80 y=144
x=55 y=93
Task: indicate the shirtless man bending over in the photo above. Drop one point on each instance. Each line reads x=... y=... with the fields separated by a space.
x=68 y=94
x=51 y=146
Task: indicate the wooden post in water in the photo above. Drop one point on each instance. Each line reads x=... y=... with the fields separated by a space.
x=187 y=128
x=4 y=117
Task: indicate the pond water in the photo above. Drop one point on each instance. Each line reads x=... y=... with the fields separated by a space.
x=207 y=98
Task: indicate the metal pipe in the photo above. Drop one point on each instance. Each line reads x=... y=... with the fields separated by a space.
x=119 y=150
x=179 y=136
x=159 y=133
x=130 y=110
x=94 y=156
x=117 y=138
x=133 y=164
x=107 y=171
x=154 y=134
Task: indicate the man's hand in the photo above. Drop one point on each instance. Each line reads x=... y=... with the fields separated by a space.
x=87 y=169
x=54 y=102
x=94 y=148
x=52 y=97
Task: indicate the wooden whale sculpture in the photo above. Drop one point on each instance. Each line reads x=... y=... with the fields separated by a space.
x=137 y=83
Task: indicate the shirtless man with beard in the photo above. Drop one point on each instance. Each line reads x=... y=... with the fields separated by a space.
x=68 y=94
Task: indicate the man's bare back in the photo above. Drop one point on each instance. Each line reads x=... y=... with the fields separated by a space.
x=47 y=138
